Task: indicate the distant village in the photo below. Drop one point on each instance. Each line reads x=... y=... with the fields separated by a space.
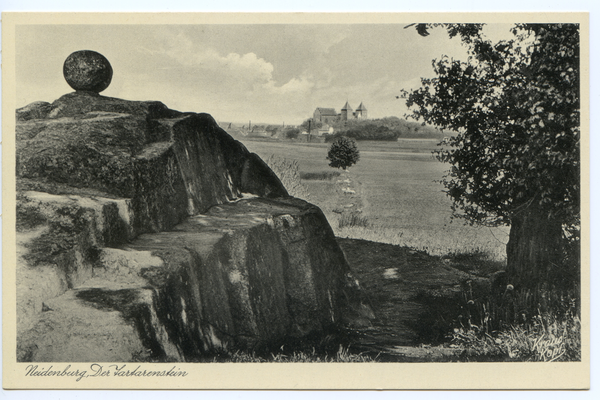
x=315 y=129
x=326 y=124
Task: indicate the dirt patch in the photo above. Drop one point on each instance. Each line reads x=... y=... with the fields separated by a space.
x=395 y=280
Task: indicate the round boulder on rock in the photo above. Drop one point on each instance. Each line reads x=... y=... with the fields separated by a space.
x=88 y=71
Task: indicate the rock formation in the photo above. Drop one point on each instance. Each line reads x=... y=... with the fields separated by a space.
x=147 y=234
x=87 y=70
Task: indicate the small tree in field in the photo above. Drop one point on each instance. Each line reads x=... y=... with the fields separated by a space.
x=343 y=153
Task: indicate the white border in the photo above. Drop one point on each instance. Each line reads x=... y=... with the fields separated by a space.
x=371 y=5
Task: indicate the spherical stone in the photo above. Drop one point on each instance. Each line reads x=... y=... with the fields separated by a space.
x=87 y=70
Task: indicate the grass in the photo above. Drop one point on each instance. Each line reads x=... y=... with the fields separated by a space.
x=353 y=220
x=547 y=338
x=343 y=355
x=397 y=192
x=476 y=262
x=496 y=323
x=434 y=242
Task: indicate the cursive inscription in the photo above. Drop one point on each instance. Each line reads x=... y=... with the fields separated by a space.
x=102 y=370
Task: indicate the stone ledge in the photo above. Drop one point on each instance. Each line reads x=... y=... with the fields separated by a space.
x=251 y=273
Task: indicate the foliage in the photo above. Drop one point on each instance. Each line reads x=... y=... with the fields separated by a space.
x=551 y=335
x=343 y=153
x=370 y=131
x=491 y=320
x=516 y=108
x=291 y=133
x=272 y=129
x=515 y=160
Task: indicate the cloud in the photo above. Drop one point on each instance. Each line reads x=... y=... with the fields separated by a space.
x=231 y=86
x=284 y=75
x=234 y=67
x=240 y=72
x=297 y=86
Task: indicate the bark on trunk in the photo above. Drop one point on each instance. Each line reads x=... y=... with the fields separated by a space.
x=534 y=250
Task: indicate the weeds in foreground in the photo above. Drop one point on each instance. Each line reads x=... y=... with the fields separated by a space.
x=354 y=219
x=496 y=323
x=558 y=340
x=343 y=355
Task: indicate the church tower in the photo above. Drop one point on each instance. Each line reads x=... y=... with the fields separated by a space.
x=346 y=110
x=361 y=111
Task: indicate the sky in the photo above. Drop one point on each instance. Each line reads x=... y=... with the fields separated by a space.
x=277 y=73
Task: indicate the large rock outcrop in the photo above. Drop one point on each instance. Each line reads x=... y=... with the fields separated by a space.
x=169 y=164
x=148 y=234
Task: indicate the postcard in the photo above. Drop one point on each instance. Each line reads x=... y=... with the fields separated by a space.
x=296 y=201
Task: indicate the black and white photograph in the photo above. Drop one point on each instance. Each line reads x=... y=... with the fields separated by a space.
x=208 y=192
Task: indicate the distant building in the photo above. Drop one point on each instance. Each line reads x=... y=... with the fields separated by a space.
x=327 y=115
x=346 y=110
x=325 y=129
x=361 y=112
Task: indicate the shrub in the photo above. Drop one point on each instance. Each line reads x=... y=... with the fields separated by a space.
x=292 y=133
x=343 y=153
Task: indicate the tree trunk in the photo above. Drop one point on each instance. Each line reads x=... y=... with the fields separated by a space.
x=534 y=250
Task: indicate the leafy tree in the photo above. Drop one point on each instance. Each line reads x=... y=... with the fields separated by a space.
x=292 y=133
x=343 y=153
x=272 y=129
x=515 y=105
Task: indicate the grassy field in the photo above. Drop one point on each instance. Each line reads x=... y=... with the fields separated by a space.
x=391 y=194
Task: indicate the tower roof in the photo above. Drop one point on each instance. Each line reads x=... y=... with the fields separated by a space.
x=361 y=107
x=346 y=107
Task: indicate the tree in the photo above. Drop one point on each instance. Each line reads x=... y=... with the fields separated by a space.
x=292 y=133
x=343 y=153
x=272 y=129
x=515 y=105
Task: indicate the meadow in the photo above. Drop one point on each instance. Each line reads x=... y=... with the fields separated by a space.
x=392 y=195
